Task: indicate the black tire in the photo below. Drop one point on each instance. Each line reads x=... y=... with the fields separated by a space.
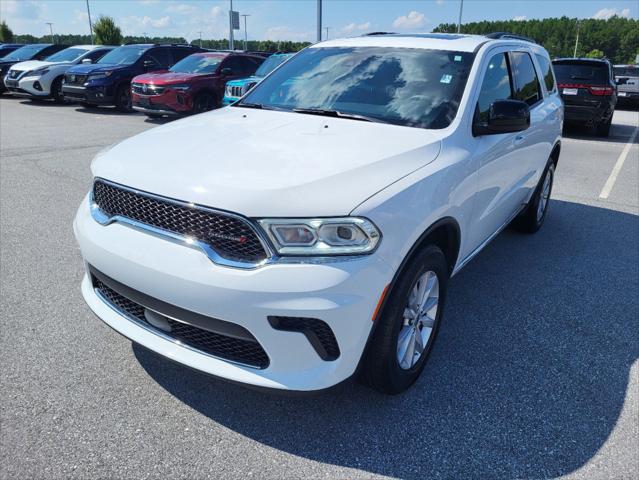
x=531 y=219
x=203 y=103
x=123 y=98
x=381 y=368
x=88 y=105
x=153 y=115
x=56 y=91
x=603 y=129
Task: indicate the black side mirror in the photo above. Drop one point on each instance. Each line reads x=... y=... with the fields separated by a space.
x=227 y=71
x=504 y=116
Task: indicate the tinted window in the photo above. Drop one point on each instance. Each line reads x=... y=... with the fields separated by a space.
x=626 y=71
x=249 y=65
x=180 y=53
x=25 y=53
x=123 y=55
x=96 y=55
x=270 y=64
x=405 y=86
x=591 y=73
x=67 y=55
x=159 y=56
x=496 y=85
x=235 y=65
x=198 y=64
x=546 y=71
x=526 y=81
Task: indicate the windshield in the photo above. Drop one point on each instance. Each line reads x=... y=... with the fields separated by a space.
x=404 y=86
x=197 y=64
x=67 y=55
x=587 y=72
x=270 y=64
x=123 y=55
x=25 y=53
x=626 y=71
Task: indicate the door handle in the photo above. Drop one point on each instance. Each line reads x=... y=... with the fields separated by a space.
x=519 y=139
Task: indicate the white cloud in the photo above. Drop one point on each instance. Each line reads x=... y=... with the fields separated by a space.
x=519 y=18
x=606 y=13
x=412 y=20
x=439 y=2
x=137 y=24
x=181 y=9
x=285 y=33
x=216 y=11
x=353 y=27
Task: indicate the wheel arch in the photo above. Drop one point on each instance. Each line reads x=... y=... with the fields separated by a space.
x=556 y=150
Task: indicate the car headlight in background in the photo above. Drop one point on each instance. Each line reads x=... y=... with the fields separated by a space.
x=322 y=236
x=38 y=72
x=99 y=76
x=180 y=86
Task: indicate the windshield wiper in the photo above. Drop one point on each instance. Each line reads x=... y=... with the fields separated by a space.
x=337 y=114
x=249 y=105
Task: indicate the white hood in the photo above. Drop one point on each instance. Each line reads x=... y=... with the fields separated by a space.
x=31 y=65
x=267 y=163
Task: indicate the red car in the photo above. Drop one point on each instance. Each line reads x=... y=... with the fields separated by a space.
x=193 y=85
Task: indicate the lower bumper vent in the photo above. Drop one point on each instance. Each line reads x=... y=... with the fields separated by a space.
x=318 y=333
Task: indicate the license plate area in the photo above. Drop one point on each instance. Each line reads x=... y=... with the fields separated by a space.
x=571 y=91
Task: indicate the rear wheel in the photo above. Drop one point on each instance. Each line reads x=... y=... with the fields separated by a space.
x=603 y=129
x=203 y=103
x=123 y=98
x=533 y=216
x=408 y=324
x=56 y=90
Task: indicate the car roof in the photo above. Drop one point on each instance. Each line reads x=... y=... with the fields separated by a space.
x=580 y=60
x=432 y=41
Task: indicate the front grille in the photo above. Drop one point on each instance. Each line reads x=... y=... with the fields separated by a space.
x=236 y=91
x=317 y=331
x=228 y=348
x=146 y=89
x=231 y=237
x=73 y=79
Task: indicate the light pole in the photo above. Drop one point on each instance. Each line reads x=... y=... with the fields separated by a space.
x=50 y=30
x=319 y=20
x=245 y=32
x=90 y=24
x=231 y=40
x=200 y=39
x=461 y=9
x=574 y=55
x=326 y=28
x=144 y=35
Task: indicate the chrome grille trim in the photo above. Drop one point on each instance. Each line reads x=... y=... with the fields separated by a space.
x=103 y=218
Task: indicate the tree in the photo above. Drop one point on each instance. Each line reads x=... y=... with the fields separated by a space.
x=6 y=35
x=594 y=53
x=106 y=32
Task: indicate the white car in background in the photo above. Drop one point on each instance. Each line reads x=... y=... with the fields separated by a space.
x=43 y=78
x=308 y=232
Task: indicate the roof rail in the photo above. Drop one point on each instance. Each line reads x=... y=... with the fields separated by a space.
x=514 y=36
x=372 y=34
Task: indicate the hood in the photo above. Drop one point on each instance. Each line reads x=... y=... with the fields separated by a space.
x=85 y=69
x=263 y=163
x=30 y=65
x=165 y=77
x=244 y=81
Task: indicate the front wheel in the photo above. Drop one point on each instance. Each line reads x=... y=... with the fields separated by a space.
x=533 y=216
x=408 y=324
x=123 y=98
x=203 y=103
x=56 y=91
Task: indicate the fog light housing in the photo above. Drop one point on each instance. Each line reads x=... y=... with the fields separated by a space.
x=37 y=86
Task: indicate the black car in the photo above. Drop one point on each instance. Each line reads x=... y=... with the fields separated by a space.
x=588 y=89
x=34 y=51
x=7 y=48
x=108 y=82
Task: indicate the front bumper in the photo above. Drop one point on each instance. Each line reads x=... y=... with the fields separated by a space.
x=35 y=87
x=344 y=294
x=587 y=113
x=79 y=93
x=170 y=102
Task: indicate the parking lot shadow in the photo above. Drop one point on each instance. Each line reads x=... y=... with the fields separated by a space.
x=619 y=133
x=527 y=378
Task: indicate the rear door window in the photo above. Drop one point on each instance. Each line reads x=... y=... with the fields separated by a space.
x=495 y=86
x=527 y=87
x=589 y=73
x=180 y=53
x=546 y=72
x=159 y=56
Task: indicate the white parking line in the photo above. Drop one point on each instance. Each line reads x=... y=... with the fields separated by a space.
x=605 y=191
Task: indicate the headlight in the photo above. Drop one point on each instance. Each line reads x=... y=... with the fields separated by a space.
x=99 y=76
x=37 y=72
x=322 y=236
x=179 y=86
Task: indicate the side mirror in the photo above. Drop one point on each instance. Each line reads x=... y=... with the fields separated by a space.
x=227 y=72
x=149 y=64
x=504 y=116
x=87 y=61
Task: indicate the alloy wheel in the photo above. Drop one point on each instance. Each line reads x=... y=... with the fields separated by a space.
x=545 y=195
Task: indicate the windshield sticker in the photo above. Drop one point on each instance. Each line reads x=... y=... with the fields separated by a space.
x=458 y=58
x=446 y=78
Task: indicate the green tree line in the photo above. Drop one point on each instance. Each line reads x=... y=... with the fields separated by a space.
x=617 y=38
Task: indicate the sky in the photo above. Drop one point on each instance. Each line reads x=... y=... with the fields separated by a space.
x=289 y=19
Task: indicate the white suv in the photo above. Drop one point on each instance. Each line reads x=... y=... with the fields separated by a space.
x=308 y=232
x=44 y=78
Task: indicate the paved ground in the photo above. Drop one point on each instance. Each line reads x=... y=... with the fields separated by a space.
x=535 y=373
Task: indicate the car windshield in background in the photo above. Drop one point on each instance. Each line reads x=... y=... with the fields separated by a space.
x=626 y=71
x=197 y=64
x=123 y=55
x=587 y=72
x=270 y=64
x=24 y=53
x=66 y=55
x=404 y=86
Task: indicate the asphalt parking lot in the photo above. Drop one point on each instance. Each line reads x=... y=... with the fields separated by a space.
x=535 y=373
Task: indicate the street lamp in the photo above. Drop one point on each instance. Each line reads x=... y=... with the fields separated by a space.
x=461 y=9
x=51 y=30
x=90 y=24
x=319 y=20
x=245 y=32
